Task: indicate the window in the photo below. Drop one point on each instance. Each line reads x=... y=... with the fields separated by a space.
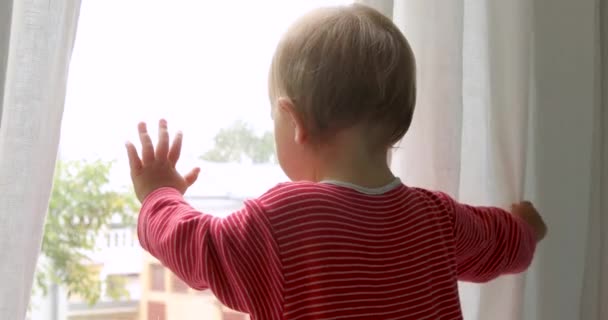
x=231 y=315
x=178 y=285
x=203 y=66
x=157 y=277
x=157 y=311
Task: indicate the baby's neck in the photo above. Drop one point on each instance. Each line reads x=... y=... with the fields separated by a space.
x=353 y=164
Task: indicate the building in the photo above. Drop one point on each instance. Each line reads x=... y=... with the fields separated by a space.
x=117 y=261
x=221 y=189
x=154 y=293
x=166 y=297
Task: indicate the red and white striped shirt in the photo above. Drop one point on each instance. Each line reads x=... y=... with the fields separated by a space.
x=326 y=251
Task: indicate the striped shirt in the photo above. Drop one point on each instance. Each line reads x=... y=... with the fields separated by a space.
x=330 y=251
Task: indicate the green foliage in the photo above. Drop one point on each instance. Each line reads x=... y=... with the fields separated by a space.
x=239 y=142
x=115 y=285
x=81 y=206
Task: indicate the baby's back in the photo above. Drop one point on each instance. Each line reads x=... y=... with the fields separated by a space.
x=354 y=253
x=329 y=251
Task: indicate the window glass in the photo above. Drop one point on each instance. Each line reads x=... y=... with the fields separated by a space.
x=203 y=66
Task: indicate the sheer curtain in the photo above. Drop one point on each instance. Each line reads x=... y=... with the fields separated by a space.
x=36 y=39
x=510 y=107
x=594 y=300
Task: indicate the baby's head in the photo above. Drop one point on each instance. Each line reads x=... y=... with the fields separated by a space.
x=340 y=71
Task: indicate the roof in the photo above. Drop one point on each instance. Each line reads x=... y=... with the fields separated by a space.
x=221 y=180
x=219 y=191
x=233 y=180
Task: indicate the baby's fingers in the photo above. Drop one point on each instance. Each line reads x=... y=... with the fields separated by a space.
x=176 y=148
x=192 y=176
x=162 y=146
x=147 y=148
x=134 y=161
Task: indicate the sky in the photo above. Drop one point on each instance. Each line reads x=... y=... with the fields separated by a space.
x=199 y=64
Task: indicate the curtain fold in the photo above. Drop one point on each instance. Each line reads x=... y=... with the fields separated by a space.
x=434 y=30
x=511 y=106
x=507 y=47
x=566 y=39
x=41 y=37
x=595 y=288
x=5 y=28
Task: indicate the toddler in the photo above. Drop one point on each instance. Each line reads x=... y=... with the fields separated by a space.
x=346 y=239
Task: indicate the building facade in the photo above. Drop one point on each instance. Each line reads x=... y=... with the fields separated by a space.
x=154 y=292
x=166 y=297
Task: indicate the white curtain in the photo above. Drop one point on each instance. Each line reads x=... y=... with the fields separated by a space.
x=510 y=107
x=36 y=39
x=594 y=300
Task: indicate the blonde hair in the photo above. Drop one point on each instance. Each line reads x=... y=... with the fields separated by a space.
x=344 y=67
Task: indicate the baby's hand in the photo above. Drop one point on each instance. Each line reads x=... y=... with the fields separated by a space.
x=157 y=169
x=528 y=213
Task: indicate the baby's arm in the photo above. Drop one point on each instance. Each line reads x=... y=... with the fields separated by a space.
x=236 y=257
x=490 y=241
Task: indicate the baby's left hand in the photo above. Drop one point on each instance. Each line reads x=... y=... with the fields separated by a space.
x=156 y=169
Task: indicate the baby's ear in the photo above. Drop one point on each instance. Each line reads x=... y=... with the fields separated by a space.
x=288 y=109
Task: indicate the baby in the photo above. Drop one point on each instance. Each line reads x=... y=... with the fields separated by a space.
x=346 y=239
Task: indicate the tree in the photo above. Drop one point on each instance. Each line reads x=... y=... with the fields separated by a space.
x=239 y=142
x=82 y=205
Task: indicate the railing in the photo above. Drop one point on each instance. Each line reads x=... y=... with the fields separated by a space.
x=117 y=238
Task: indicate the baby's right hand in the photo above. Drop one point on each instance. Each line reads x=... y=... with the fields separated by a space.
x=526 y=211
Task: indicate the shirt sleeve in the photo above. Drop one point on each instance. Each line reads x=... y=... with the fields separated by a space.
x=235 y=257
x=489 y=241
